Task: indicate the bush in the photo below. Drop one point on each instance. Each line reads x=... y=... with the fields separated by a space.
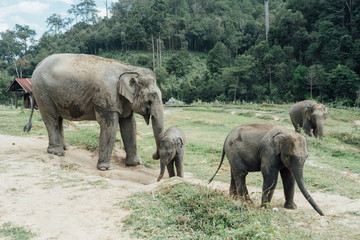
x=179 y=64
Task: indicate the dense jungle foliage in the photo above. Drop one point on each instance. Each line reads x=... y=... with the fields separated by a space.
x=210 y=50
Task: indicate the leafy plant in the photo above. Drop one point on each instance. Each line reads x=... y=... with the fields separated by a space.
x=16 y=233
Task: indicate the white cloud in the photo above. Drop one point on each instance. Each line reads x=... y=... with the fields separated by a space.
x=102 y=12
x=3 y=27
x=64 y=1
x=24 y=7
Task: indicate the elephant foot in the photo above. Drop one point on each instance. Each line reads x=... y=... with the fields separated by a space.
x=103 y=166
x=59 y=151
x=133 y=161
x=156 y=156
x=290 y=205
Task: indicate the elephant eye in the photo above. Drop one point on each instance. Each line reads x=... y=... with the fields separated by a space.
x=152 y=96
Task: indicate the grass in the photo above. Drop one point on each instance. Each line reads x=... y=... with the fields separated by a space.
x=15 y=232
x=189 y=211
x=333 y=166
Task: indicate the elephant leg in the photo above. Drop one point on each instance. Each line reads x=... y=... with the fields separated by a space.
x=61 y=132
x=108 y=122
x=179 y=166
x=270 y=175
x=316 y=132
x=289 y=188
x=170 y=168
x=296 y=126
x=53 y=123
x=238 y=178
x=128 y=134
x=232 y=190
x=307 y=128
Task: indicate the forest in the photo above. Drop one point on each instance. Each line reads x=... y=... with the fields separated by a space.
x=215 y=50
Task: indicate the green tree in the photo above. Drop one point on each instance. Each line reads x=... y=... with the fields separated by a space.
x=87 y=10
x=25 y=36
x=5 y=80
x=343 y=84
x=299 y=88
x=219 y=57
x=55 y=23
x=179 y=64
x=238 y=78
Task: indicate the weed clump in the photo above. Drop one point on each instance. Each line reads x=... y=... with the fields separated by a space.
x=8 y=230
x=189 y=211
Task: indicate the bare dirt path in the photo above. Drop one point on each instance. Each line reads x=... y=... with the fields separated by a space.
x=68 y=198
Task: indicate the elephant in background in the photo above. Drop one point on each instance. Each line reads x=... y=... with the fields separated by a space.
x=85 y=87
x=267 y=148
x=172 y=149
x=310 y=116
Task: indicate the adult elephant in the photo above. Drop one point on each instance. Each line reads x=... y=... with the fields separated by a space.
x=86 y=87
x=310 y=116
x=267 y=148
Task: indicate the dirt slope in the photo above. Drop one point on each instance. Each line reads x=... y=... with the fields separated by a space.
x=68 y=198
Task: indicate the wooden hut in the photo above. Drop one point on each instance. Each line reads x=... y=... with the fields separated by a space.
x=22 y=85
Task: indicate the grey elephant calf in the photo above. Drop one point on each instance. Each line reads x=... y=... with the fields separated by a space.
x=267 y=148
x=310 y=116
x=172 y=149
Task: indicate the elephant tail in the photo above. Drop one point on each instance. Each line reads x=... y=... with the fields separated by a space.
x=221 y=161
x=28 y=126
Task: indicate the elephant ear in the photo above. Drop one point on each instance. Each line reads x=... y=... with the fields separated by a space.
x=179 y=143
x=277 y=142
x=326 y=113
x=127 y=85
x=308 y=111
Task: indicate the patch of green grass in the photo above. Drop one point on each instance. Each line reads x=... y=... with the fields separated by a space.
x=265 y=117
x=189 y=211
x=352 y=138
x=87 y=137
x=15 y=232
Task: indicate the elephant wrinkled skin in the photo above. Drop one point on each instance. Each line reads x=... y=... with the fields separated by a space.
x=310 y=116
x=85 y=87
x=172 y=149
x=267 y=148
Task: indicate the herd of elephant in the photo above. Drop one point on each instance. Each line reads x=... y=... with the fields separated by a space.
x=86 y=87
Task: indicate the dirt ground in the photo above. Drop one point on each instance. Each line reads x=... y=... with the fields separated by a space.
x=68 y=198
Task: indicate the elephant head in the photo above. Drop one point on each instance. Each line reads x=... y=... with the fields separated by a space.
x=292 y=149
x=316 y=115
x=140 y=89
x=168 y=150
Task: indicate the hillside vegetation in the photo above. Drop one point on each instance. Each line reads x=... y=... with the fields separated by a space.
x=210 y=50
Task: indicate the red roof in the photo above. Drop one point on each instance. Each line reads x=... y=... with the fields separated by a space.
x=25 y=83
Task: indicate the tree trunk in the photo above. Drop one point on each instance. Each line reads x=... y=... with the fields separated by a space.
x=153 y=50
x=157 y=53
x=266 y=19
x=160 y=51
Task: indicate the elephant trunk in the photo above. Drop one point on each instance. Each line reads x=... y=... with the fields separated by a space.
x=319 y=129
x=298 y=175
x=163 y=162
x=157 y=120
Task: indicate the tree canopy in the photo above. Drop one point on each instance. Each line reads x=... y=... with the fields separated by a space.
x=214 y=49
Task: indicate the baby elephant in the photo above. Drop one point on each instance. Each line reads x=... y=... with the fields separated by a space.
x=172 y=149
x=267 y=148
x=310 y=116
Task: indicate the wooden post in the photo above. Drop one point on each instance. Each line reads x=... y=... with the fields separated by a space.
x=16 y=99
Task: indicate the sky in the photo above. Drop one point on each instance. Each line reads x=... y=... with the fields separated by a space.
x=35 y=12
